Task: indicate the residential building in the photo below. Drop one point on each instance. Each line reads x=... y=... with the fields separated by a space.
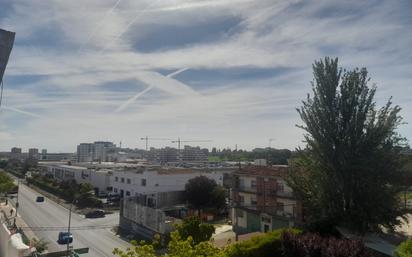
x=262 y=200
x=194 y=154
x=33 y=153
x=85 y=152
x=101 y=149
x=16 y=150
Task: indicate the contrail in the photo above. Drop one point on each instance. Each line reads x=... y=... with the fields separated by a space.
x=132 y=99
x=21 y=111
x=128 y=25
x=100 y=24
x=150 y=87
x=170 y=75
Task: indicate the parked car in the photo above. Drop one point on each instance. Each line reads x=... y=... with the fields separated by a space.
x=102 y=194
x=65 y=238
x=40 y=199
x=95 y=214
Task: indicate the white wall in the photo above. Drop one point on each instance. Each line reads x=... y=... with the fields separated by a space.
x=12 y=245
x=156 y=182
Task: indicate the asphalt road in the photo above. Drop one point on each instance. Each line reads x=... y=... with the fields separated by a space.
x=101 y=241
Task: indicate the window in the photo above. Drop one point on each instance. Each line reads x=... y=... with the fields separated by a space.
x=127 y=193
x=116 y=179
x=122 y=180
x=280 y=206
x=115 y=190
x=241 y=199
x=253 y=183
x=128 y=181
x=253 y=201
x=280 y=187
x=143 y=182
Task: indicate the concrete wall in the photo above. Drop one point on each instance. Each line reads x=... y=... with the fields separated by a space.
x=11 y=245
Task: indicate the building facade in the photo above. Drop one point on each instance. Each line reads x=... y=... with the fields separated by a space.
x=194 y=154
x=85 y=152
x=145 y=181
x=262 y=200
x=33 y=153
x=99 y=179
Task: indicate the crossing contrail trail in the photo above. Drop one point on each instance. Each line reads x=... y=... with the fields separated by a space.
x=170 y=75
x=150 y=81
x=132 y=99
x=100 y=24
x=128 y=25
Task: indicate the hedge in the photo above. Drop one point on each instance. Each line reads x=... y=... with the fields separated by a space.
x=404 y=249
x=267 y=245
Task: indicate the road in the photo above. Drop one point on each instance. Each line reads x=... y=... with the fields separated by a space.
x=101 y=242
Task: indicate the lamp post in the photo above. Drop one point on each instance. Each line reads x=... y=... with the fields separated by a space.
x=17 y=200
x=68 y=227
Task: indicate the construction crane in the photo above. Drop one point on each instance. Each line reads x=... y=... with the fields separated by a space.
x=178 y=141
x=152 y=138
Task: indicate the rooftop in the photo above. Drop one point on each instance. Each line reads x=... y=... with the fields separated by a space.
x=265 y=171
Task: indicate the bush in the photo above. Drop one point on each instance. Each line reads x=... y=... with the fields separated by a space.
x=267 y=245
x=404 y=249
x=313 y=245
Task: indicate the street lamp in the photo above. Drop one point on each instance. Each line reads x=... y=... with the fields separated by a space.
x=68 y=227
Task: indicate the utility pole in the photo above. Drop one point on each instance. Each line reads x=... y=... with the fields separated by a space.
x=270 y=147
x=68 y=228
x=17 y=200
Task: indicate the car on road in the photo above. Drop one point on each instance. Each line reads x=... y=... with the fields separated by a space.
x=65 y=238
x=95 y=214
x=40 y=199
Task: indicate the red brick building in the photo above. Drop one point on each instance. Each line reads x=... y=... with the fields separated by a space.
x=262 y=200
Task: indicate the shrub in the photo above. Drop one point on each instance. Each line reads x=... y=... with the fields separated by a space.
x=267 y=245
x=404 y=249
x=313 y=245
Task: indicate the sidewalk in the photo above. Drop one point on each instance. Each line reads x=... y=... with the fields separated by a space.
x=19 y=221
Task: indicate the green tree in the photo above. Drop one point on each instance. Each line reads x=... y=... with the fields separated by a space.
x=177 y=247
x=194 y=228
x=6 y=182
x=350 y=172
x=202 y=192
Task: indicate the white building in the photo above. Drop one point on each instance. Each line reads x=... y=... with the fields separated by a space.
x=134 y=182
x=100 y=179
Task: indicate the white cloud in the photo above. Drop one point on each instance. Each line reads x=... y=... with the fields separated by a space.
x=69 y=101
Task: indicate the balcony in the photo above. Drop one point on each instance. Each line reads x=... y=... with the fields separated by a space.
x=245 y=189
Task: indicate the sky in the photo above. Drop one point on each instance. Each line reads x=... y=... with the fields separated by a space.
x=229 y=71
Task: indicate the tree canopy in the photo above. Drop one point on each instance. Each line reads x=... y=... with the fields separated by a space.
x=350 y=171
x=6 y=182
x=194 y=228
x=202 y=192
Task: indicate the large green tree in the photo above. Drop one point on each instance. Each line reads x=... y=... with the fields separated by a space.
x=6 y=182
x=202 y=192
x=198 y=231
x=349 y=174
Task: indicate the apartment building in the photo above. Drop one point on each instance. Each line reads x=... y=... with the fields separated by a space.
x=33 y=153
x=262 y=200
x=194 y=154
